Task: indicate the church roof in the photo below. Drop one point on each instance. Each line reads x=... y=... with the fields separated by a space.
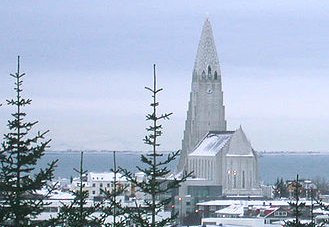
x=233 y=209
x=212 y=143
x=206 y=54
x=240 y=145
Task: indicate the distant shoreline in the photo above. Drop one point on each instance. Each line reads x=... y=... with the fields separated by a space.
x=101 y=152
x=261 y=153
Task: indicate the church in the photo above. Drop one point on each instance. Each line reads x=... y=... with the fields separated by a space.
x=222 y=162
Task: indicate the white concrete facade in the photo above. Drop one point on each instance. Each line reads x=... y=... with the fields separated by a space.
x=217 y=157
x=97 y=182
x=206 y=111
x=226 y=159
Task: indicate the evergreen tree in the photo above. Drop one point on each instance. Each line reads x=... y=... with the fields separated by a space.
x=20 y=153
x=322 y=185
x=324 y=207
x=298 y=208
x=78 y=213
x=280 y=189
x=155 y=168
x=112 y=206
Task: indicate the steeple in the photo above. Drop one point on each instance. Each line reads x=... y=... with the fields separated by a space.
x=206 y=111
x=206 y=59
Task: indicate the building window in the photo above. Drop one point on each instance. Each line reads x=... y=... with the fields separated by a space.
x=94 y=185
x=243 y=180
x=234 y=181
x=94 y=192
x=209 y=70
x=212 y=208
x=101 y=185
x=215 y=75
x=203 y=75
x=50 y=209
x=280 y=213
x=108 y=185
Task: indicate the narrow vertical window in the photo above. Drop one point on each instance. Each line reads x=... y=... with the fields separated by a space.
x=203 y=75
x=215 y=75
x=208 y=169
x=243 y=180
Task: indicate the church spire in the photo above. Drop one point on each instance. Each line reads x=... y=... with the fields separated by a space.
x=206 y=58
x=206 y=111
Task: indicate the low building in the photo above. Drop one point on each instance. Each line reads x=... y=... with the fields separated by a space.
x=262 y=212
x=97 y=183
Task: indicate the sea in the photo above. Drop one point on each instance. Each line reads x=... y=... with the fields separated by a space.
x=272 y=165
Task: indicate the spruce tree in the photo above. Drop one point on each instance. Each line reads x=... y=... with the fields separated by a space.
x=297 y=207
x=155 y=169
x=20 y=152
x=113 y=206
x=280 y=189
x=324 y=207
x=78 y=213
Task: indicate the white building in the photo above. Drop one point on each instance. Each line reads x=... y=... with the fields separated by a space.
x=223 y=162
x=226 y=159
x=217 y=156
x=96 y=183
x=206 y=111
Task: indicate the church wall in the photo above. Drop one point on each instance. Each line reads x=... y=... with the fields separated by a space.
x=202 y=167
x=219 y=168
x=211 y=112
x=205 y=110
x=240 y=175
x=233 y=168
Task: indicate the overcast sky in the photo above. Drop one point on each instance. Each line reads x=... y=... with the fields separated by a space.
x=87 y=63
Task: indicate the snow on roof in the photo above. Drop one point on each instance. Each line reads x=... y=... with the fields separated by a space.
x=56 y=194
x=105 y=176
x=212 y=144
x=240 y=155
x=320 y=211
x=234 y=222
x=61 y=195
x=232 y=209
x=245 y=202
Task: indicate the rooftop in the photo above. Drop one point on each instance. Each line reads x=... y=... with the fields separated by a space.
x=105 y=176
x=212 y=143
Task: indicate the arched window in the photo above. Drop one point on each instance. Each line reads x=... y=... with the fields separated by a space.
x=215 y=75
x=209 y=70
x=203 y=75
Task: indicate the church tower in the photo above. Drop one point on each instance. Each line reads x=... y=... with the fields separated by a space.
x=206 y=111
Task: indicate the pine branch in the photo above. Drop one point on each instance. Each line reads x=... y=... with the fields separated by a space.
x=156 y=183
x=19 y=156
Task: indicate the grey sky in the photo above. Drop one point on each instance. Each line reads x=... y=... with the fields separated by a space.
x=87 y=63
